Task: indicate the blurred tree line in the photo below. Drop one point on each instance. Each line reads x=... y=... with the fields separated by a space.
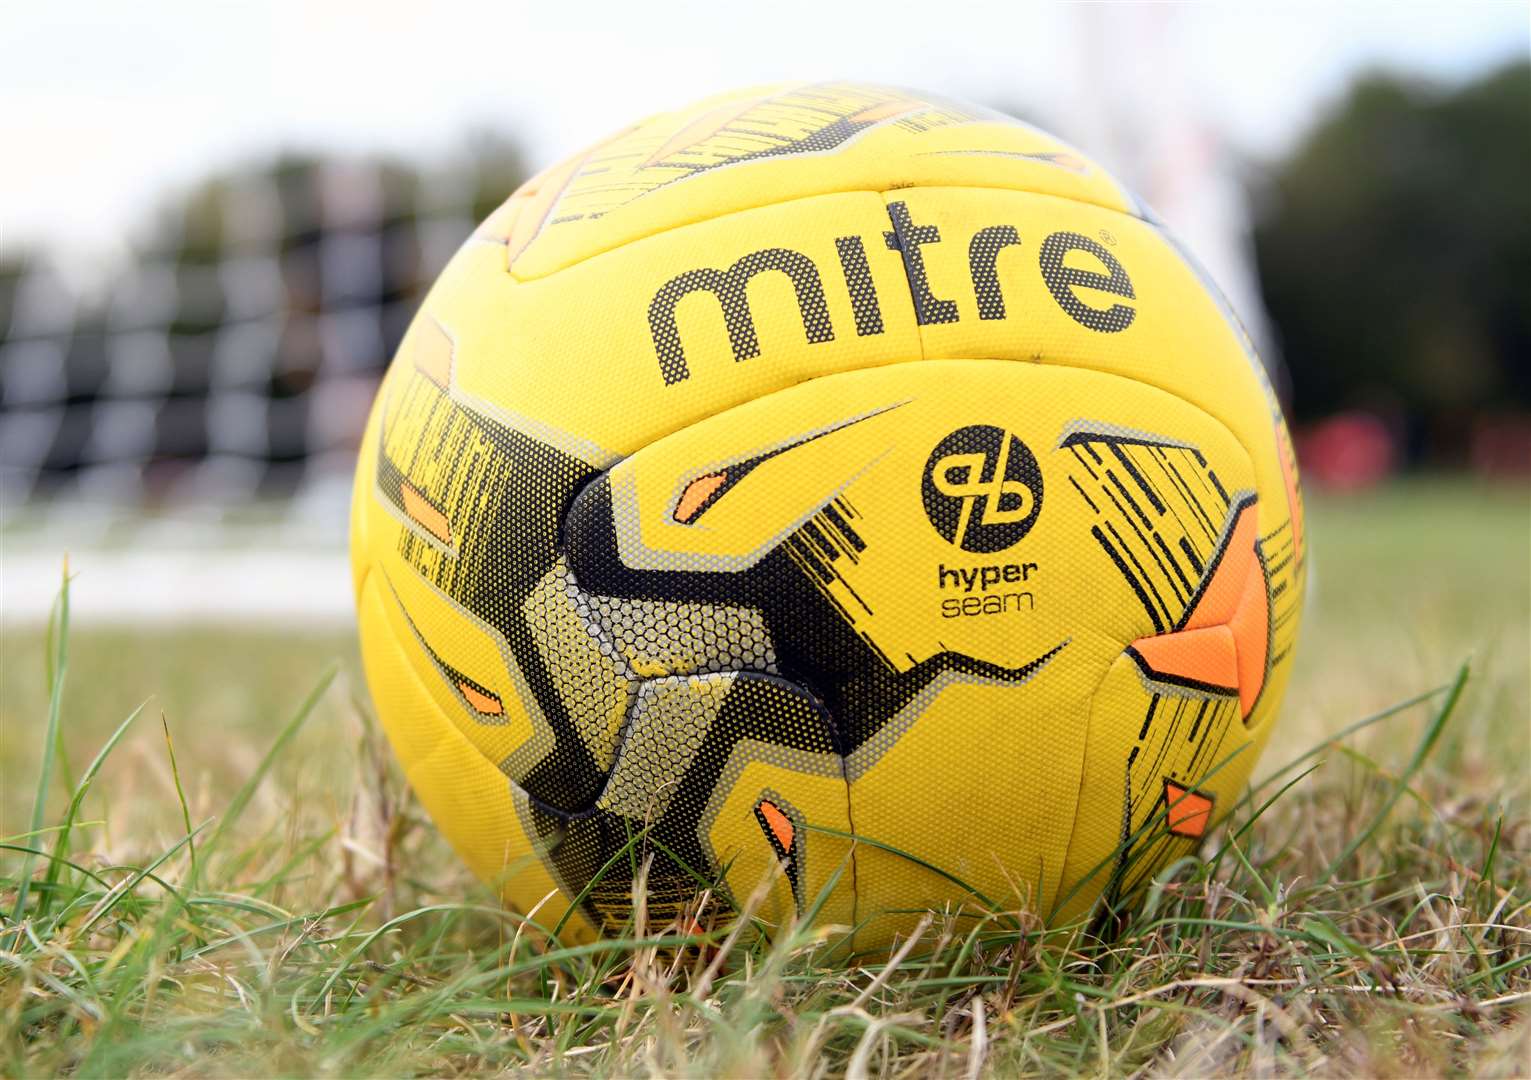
x=1394 y=252
x=1393 y=246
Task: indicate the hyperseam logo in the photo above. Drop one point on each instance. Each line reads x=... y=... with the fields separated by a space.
x=982 y=488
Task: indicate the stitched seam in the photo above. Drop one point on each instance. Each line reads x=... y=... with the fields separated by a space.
x=919 y=327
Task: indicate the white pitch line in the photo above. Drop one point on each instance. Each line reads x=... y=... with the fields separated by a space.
x=296 y=589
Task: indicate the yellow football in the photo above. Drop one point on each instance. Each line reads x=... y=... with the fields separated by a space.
x=850 y=498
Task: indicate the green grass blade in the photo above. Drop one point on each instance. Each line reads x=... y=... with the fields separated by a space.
x=1238 y=834
x=48 y=830
x=1487 y=873
x=247 y=790
x=58 y=667
x=941 y=872
x=1266 y=892
x=34 y=853
x=831 y=883
x=596 y=879
x=1421 y=752
x=61 y=848
x=127 y=887
x=275 y=926
x=1337 y=738
x=180 y=794
x=1324 y=930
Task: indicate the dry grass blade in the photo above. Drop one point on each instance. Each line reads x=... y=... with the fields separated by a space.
x=326 y=930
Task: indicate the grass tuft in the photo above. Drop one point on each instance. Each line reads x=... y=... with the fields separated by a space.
x=249 y=898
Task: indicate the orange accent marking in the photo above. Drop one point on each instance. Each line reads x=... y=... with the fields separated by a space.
x=418 y=507
x=1251 y=632
x=702 y=128
x=886 y=111
x=1226 y=640
x=481 y=702
x=433 y=353
x=1220 y=599
x=1189 y=812
x=1207 y=655
x=781 y=824
x=697 y=492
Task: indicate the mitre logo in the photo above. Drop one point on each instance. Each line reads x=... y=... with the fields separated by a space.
x=982 y=489
x=1089 y=296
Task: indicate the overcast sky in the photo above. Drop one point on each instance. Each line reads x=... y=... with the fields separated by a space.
x=107 y=104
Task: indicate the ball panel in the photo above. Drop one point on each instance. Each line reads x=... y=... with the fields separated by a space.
x=775 y=144
x=979 y=785
x=783 y=871
x=1162 y=767
x=469 y=799
x=462 y=660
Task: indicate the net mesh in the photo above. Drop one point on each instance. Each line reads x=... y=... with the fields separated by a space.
x=233 y=359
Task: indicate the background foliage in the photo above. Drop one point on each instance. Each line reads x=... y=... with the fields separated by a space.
x=1394 y=251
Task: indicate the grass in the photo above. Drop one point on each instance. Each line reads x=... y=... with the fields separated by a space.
x=225 y=877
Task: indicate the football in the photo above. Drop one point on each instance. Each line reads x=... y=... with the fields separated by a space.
x=842 y=498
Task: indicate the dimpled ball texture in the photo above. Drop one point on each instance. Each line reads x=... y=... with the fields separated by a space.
x=850 y=498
